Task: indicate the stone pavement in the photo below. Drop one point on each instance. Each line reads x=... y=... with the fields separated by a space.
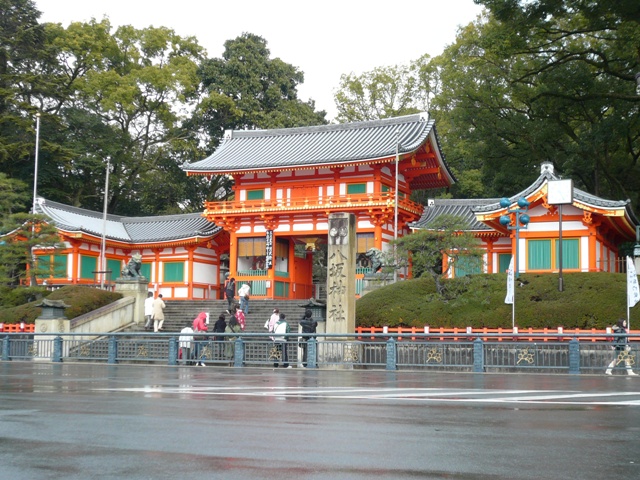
x=79 y=421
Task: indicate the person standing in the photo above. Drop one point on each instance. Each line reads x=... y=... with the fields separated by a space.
x=219 y=327
x=158 y=313
x=308 y=325
x=243 y=293
x=199 y=326
x=280 y=338
x=185 y=341
x=621 y=347
x=148 y=310
x=230 y=348
x=230 y=293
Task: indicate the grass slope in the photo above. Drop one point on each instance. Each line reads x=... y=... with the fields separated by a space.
x=589 y=300
x=81 y=300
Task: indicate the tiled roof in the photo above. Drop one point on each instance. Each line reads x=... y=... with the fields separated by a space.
x=468 y=208
x=578 y=195
x=458 y=207
x=318 y=145
x=127 y=229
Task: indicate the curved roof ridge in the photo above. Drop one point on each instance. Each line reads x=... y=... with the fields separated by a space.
x=328 y=128
x=322 y=146
x=579 y=195
x=127 y=229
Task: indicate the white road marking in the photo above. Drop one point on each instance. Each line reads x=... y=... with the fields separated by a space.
x=432 y=395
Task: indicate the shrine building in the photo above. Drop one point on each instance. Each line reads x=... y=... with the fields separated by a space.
x=592 y=229
x=288 y=181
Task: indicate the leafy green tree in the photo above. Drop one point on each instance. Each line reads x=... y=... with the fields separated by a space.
x=247 y=89
x=545 y=80
x=20 y=233
x=128 y=93
x=21 y=43
x=445 y=237
x=386 y=92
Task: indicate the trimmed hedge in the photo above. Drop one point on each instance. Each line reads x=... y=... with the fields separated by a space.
x=589 y=300
x=81 y=300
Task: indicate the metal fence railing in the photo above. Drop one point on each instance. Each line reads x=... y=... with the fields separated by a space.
x=478 y=353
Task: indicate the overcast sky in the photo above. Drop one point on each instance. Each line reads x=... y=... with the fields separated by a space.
x=323 y=39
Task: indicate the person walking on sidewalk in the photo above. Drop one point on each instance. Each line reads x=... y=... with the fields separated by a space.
x=280 y=338
x=621 y=347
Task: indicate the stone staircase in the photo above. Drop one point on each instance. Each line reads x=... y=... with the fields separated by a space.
x=178 y=312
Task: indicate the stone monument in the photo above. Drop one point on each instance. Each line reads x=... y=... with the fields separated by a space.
x=341 y=273
x=52 y=321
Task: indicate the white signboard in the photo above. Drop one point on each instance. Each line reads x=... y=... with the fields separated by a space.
x=560 y=192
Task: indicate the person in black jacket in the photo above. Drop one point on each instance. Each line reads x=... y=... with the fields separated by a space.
x=230 y=292
x=219 y=327
x=308 y=325
x=620 y=341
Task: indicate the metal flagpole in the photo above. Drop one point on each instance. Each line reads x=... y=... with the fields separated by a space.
x=395 y=216
x=33 y=281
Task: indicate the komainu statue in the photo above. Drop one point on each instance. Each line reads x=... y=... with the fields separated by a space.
x=375 y=257
x=132 y=269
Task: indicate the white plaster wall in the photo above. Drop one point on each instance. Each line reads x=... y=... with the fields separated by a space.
x=200 y=293
x=180 y=292
x=302 y=227
x=365 y=224
x=612 y=261
x=205 y=273
x=554 y=226
x=522 y=264
x=584 y=254
x=504 y=242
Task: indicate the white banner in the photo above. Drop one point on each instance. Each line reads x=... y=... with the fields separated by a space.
x=633 y=292
x=509 y=297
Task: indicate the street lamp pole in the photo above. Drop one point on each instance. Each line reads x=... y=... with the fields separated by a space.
x=35 y=174
x=521 y=221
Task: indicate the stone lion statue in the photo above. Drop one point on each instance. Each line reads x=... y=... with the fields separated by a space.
x=375 y=257
x=132 y=269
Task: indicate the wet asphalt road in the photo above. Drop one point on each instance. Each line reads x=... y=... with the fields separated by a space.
x=78 y=421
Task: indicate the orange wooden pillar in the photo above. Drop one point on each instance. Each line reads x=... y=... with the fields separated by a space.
x=593 y=267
